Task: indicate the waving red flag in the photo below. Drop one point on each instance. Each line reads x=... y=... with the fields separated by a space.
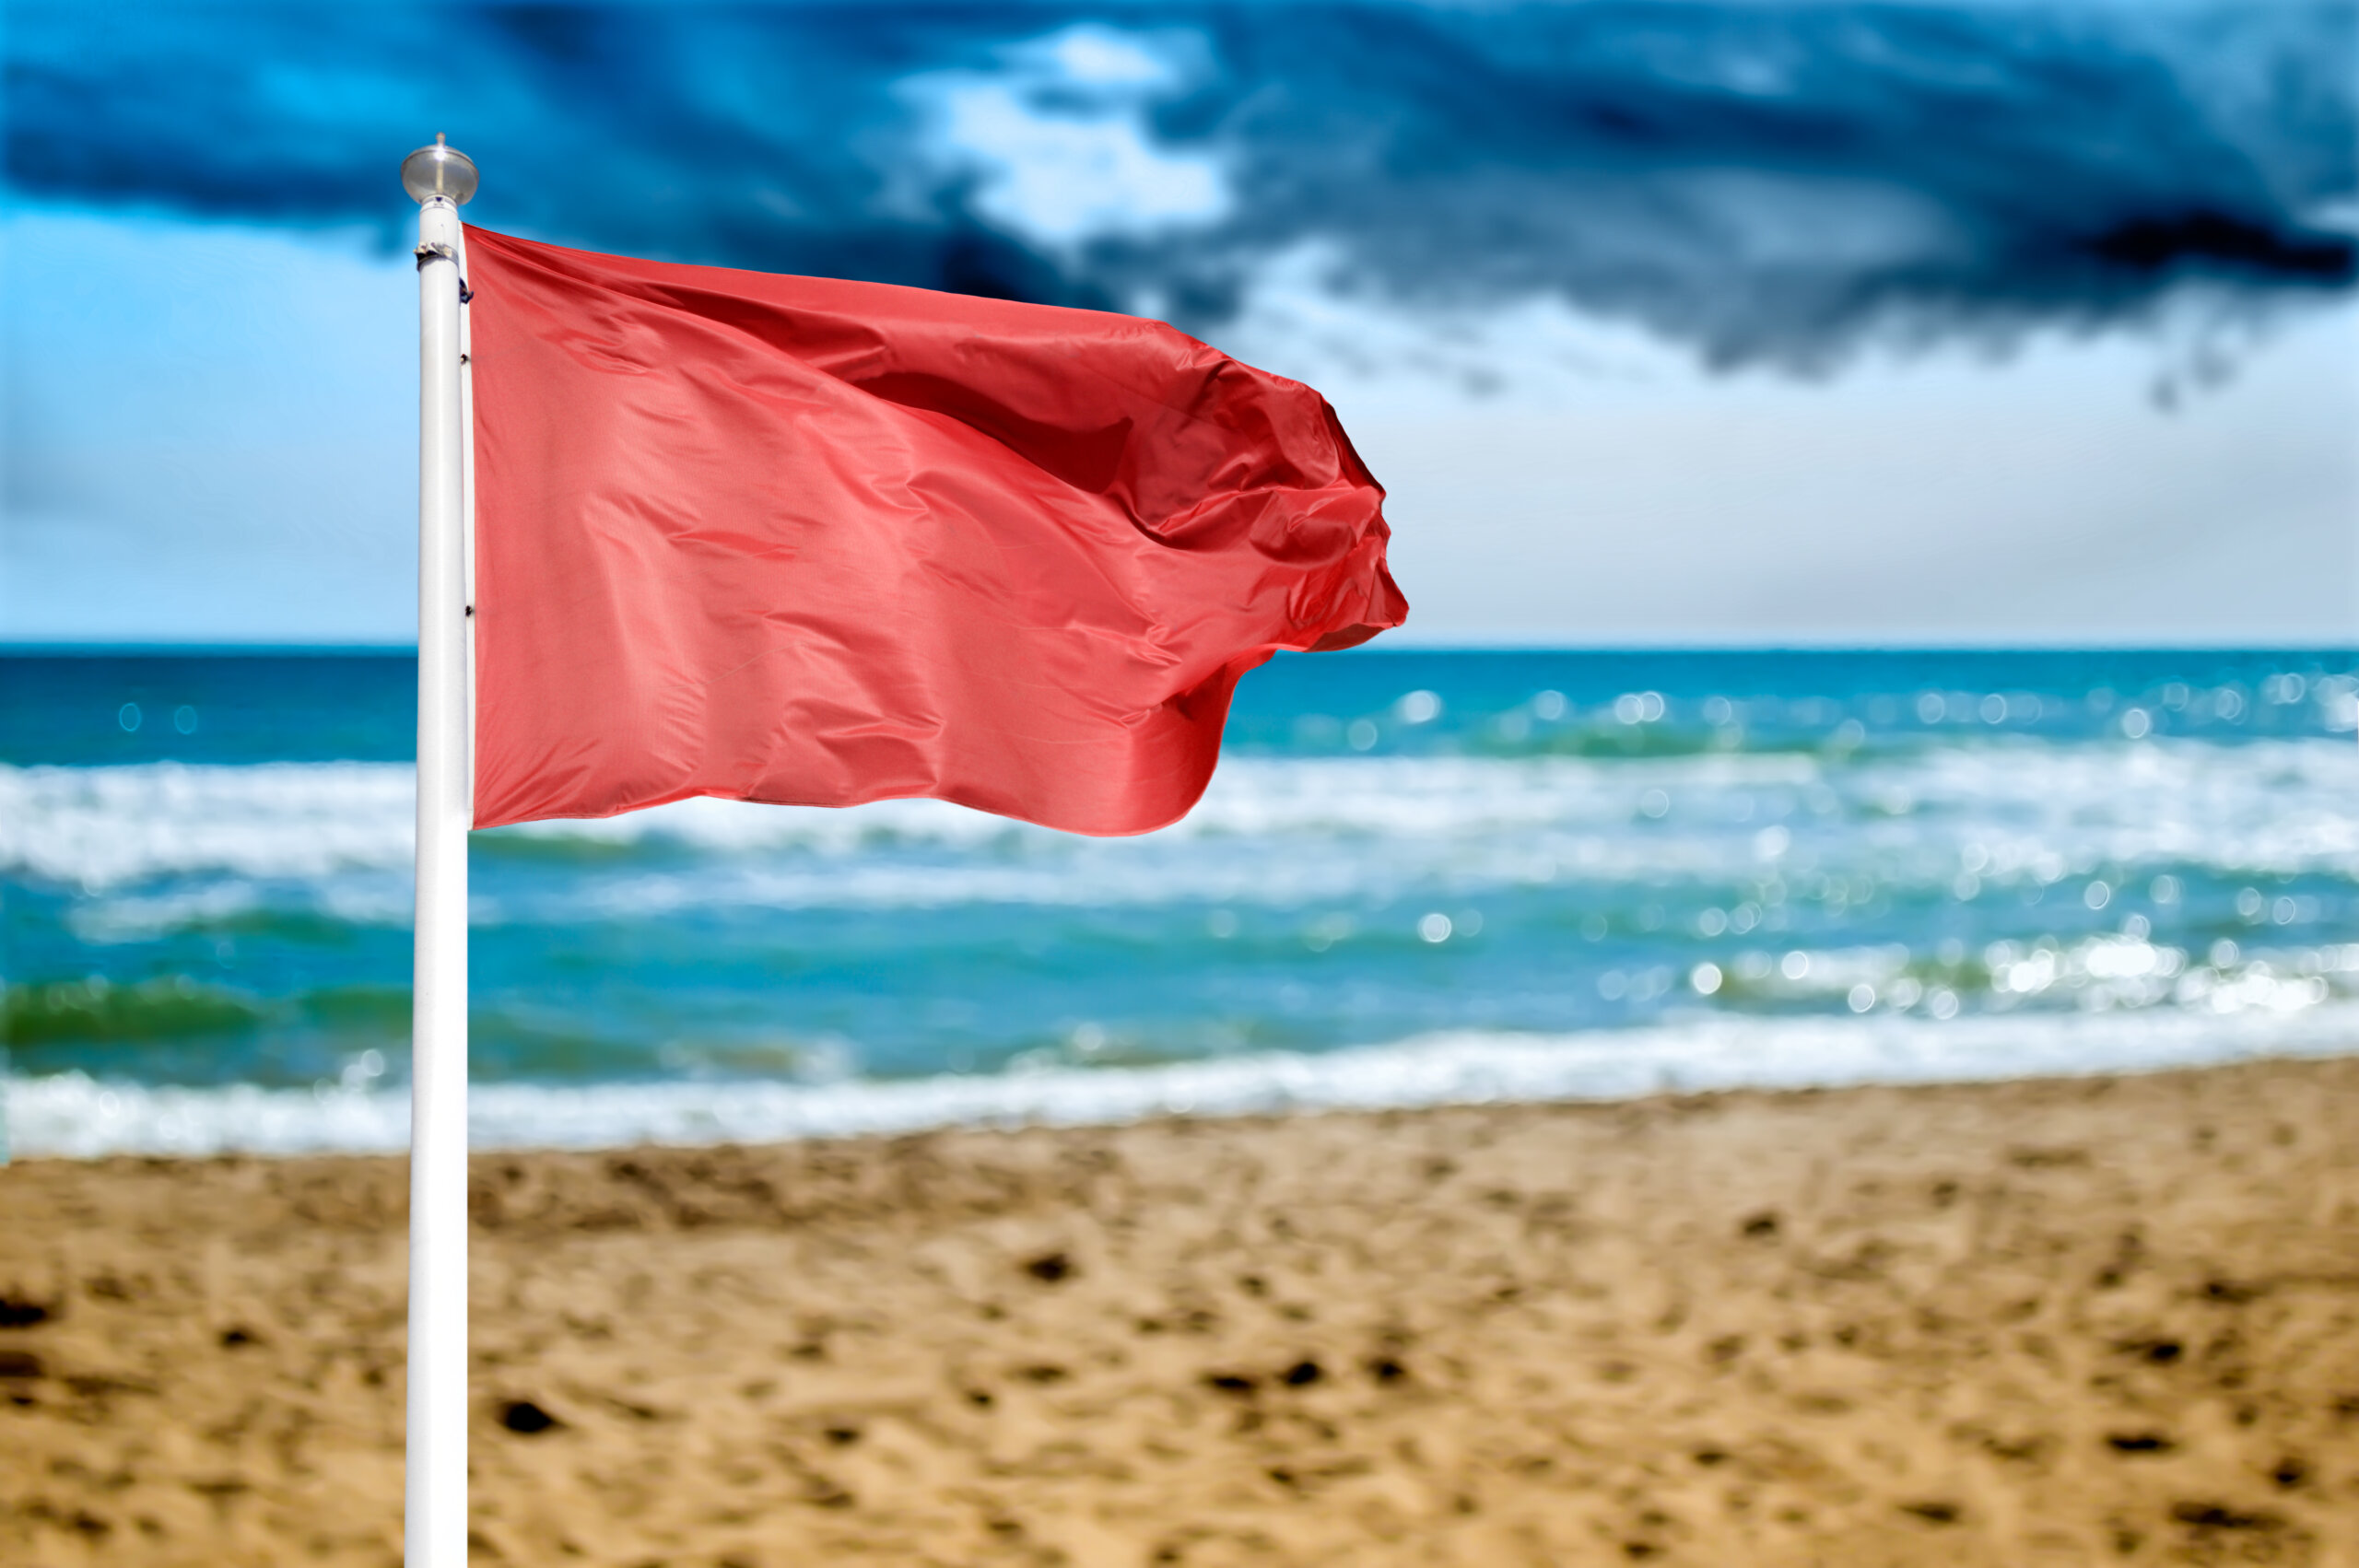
x=815 y=543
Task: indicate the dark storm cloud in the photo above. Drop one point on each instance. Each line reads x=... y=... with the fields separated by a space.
x=1766 y=181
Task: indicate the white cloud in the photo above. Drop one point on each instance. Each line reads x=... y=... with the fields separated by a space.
x=1058 y=142
x=1305 y=315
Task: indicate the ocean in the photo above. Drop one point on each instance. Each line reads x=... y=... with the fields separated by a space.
x=1418 y=877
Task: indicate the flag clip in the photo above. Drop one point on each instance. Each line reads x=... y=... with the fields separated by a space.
x=436 y=248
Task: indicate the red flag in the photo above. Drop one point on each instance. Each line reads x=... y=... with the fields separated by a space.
x=815 y=543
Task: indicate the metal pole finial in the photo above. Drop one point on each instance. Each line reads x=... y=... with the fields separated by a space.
x=440 y=169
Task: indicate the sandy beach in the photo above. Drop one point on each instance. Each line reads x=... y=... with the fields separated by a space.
x=2067 y=1321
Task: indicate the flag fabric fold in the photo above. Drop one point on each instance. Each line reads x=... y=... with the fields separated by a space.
x=811 y=542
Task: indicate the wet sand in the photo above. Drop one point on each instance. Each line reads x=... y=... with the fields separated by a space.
x=2097 y=1321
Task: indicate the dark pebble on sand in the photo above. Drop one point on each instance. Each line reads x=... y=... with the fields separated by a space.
x=525 y=1418
x=2219 y=1516
x=1300 y=1374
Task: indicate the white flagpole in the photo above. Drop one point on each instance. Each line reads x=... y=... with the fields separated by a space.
x=435 y=1517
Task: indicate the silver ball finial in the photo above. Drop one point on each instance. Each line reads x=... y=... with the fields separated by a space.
x=438 y=170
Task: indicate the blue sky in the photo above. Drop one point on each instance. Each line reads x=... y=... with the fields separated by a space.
x=1741 y=322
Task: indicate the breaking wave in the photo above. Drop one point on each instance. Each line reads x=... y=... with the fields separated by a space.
x=76 y=1116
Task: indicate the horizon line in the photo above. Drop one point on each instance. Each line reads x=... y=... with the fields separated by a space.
x=97 y=650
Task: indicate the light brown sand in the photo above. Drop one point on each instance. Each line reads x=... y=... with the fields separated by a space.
x=2067 y=1322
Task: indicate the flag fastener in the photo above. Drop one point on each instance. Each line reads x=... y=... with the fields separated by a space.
x=436 y=248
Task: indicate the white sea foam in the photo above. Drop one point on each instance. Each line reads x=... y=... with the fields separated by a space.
x=1348 y=826
x=105 y=827
x=74 y=1116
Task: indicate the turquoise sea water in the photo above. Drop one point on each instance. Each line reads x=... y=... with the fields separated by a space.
x=1418 y=876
